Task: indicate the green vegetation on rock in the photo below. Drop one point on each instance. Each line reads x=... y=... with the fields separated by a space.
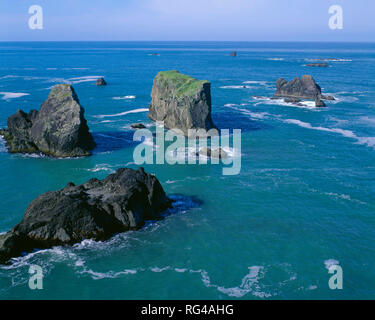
x=183 y=85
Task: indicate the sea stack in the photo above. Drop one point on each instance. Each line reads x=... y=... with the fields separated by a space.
x=58 y=129
x=96 y=210
x=319 y=65
x=101 y=82
x=233 y=54
x=181 y=101
x=301 y=88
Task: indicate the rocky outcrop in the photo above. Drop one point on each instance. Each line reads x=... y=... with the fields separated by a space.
x=233 y=54
x=58 y=129
x=181 y=102
x=319 y=65
x=101 y=82
x=213 y=153
x=301 y=88
x=96 y=210
x=137 y=126
x=319 y=103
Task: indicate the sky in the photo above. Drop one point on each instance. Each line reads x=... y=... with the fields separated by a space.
x=187 y=20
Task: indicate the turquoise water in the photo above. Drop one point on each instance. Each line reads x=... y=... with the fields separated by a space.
x=304 y=198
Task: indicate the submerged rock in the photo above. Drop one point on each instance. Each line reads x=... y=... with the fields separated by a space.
x=137 y=126
x=181 y=101
x=101 y=82
x=319 y=65
x=58 y=129
x=213 y=153
x=96 y=210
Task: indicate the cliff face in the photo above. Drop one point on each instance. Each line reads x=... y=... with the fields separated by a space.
x=97 y=210
x=58 y=129
x=181 y=101
x=302 y=88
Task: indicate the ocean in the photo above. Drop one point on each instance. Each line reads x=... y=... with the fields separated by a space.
x=303 y=201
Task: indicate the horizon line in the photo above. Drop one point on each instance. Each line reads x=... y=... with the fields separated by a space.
x=232 y=41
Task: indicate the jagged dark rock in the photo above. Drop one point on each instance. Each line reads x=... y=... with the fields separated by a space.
x=138 y=126
x=101 y=82
x=58 y=129
x=233 y=54
x=301 y=88
x=319 y=103
x=181 y=102
x=328 y=98
x=96 y=210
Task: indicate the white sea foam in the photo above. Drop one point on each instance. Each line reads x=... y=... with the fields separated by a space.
x=122 y=113
x=331 y=262
x=103 y=167
x=369 y=141
x=275 y=59
x=255 y=115
x=263 y=83
x=304 y=104
x=83 y=79
x=367 y=120
x=124 y=98
x=13 y=95
x=2 y=144
x=248 y=284
x=330 y=60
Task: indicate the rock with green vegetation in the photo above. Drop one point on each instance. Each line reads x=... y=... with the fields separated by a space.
x=58 y=129
x=181 y=102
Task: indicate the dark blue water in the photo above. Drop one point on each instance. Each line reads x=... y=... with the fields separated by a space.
x=304 y=198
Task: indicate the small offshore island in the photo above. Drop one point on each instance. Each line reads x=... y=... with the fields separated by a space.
x=97 y=209
x=58 y=129
x=181 y=101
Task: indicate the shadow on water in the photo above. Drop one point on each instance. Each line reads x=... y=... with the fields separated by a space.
x=113 y=140
x=182 y=203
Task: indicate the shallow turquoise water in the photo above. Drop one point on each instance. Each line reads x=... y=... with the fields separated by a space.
x=304 y=197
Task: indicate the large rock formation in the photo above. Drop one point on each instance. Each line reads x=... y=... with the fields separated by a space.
x=181 y=101
x=58 y=129
x=301 y=88
x=97 y=210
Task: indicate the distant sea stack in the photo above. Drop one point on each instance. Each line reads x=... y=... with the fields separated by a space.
x=96 y=210
x=301 y=88
x=319 y=65
x=101 y=82
x=181 y=101
x=233 y=54
x=58 y=129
